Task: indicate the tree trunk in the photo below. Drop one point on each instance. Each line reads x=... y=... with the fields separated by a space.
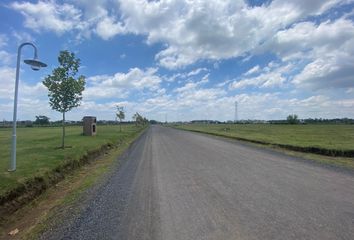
x=120 y=125
x=62 y=139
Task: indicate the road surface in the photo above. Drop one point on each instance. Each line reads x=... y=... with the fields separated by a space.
x=175 y=185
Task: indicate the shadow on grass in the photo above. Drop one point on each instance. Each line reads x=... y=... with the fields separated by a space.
x=63 y=147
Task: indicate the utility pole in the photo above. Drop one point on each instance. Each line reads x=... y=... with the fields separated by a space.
x=236 y=116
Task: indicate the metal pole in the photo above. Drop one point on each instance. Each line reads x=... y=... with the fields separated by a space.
x=236 y=113
x=14 y=121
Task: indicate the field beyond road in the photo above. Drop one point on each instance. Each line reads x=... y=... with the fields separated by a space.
x=326 y=139
x=38 y=153
x=328 y=136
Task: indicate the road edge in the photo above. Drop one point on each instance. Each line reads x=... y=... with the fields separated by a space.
x=339 y=163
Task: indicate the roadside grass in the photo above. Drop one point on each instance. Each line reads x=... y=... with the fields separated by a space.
x=51 y=207
x=331 y=137
x=38 y=152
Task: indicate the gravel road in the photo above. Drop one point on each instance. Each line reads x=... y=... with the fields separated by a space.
x=175 y=185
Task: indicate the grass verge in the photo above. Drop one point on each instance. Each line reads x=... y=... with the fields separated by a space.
x=41 y=164
x=50 y=206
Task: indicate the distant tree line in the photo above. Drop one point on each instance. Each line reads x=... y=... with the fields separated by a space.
x=206 y=121
x=315 y=121
x=290 y=120
x=41 y=121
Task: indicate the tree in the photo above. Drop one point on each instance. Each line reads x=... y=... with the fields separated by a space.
x=41 y=120
x=65 y=90
x=121 y=115
x=139 y=120
x=145 y=121
x=136 y=118
x=292 y=119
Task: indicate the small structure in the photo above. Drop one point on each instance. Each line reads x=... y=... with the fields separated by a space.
x=89 y=126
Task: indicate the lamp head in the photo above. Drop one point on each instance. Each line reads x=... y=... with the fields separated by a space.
x=35 y=64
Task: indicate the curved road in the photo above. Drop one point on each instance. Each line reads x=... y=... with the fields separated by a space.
x=181 y=185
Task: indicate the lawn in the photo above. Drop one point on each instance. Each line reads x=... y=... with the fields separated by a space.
x=38 y=153
x=329 y=136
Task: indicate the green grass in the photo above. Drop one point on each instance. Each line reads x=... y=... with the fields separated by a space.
x=38 y=153
x=339 y=137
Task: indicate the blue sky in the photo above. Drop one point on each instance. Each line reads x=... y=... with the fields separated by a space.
x=186 y=59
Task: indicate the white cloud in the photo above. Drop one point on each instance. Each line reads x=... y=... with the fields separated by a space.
x=6 y=58
x=196 y=71
x=190 y=30
x=22 y=37
x=61 y=18
x=253 y=70
x=108 y=27
x=7 y=86
x=264 y=80
x=38 y=90
x=318 y=39
x=214 y=30
x=192 y=86
x=192 y=95
x=49 y=16
x=333 y=72
x=3 y=40
x=350 y=90
x=121 y=85
x=270 y=76
x=185 y=75
x=32 y=99
x=7 y=82
x=193 y=100
x=327 y=47
x=215 y=104
x=187 y=87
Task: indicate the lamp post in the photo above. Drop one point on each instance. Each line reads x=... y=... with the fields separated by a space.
x=35 y=65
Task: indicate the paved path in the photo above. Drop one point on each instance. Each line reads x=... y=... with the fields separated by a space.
x=182 y=185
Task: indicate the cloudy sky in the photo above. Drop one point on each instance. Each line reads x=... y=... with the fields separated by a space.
x=186 y=59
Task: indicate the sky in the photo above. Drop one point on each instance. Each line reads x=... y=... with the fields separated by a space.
x=179 y=60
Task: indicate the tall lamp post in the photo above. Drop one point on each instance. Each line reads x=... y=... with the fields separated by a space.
x=35 y=65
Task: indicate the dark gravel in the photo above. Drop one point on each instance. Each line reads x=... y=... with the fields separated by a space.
x=180 y=185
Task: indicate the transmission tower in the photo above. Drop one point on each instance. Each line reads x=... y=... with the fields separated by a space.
x=236 y=115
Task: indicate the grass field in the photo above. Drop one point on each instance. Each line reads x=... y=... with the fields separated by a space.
x=37 y=151
x=338 y=137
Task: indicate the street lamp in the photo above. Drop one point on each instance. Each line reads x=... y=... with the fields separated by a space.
x=35 y=65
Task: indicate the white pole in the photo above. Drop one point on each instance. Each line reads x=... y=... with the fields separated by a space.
x=14 y=121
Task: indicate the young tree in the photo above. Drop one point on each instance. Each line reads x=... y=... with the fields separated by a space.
x=65 y=90
x=145 y=121
x=121 y=115
x=136 y=118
